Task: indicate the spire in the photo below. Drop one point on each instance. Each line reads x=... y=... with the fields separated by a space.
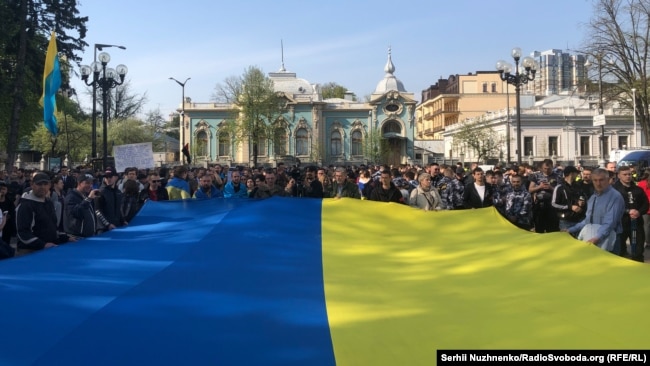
x=389 y=68
x=282 y=69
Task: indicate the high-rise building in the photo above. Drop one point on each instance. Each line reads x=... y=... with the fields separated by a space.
x=559 y=72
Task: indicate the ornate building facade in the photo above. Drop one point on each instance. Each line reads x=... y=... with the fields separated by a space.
x=312 y=129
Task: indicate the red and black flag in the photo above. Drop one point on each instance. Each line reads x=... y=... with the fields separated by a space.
x=186 y=152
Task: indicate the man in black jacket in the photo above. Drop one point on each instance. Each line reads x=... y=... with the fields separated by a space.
x=109 y=202
x=153 y=190
x=569 y=201
x=36 y=218
x=636 y=204
x=79 y=218
x=477 y=194
x=386 y=190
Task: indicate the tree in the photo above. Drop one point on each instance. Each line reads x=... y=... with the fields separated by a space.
x=26 y=26
x=619 y=34
x=72 y=139
x=129 y=131
x=257 y=107
x=334 y=90
x=123 y=104
x=375 y=146
x=479 y=138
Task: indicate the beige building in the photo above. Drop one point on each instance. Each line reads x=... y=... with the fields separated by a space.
x=460 y=97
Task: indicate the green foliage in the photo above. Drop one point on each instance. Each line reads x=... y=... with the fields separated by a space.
x=257 y=107
x=129 y=131
x=476 y=136
x=375 y=147
x=334 y=90
x=24 y=36
x=72 y=139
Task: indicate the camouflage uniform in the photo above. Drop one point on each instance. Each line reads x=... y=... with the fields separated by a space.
x=544 y=216
x=518 y=205
x=500 y=193
x=451 y=193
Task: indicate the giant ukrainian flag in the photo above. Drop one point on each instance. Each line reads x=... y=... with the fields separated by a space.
x=51 y=85
x=308 y=282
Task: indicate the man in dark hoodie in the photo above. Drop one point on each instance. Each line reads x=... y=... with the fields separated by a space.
x=79 y=218
x=36 y=218
x=386 y=190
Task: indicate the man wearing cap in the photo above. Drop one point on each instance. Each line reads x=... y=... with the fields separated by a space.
x=109 y=202
x=36 y=218
x=79 y=217
x=568 y=199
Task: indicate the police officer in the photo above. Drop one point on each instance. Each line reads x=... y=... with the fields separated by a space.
x=636 y=204
x=542 y=184
x=451 y=191
x=569 y=200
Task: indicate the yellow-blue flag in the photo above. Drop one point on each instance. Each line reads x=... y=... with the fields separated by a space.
x=51 y=85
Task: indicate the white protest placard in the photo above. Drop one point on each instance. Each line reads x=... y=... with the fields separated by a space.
x=133 y=155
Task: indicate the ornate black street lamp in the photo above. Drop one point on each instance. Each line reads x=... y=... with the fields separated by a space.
x=105 y=79
x=97 y=46
x=517 y=79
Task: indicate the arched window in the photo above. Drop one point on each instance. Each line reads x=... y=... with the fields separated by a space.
x=224 y=143
x=261 y=146
x=279 y=141
x=302 y=142
x=357 y=139
x=202 y=143
x=335 y=144
x=392 y=127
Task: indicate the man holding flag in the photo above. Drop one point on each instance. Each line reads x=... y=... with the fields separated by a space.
x=51 y=85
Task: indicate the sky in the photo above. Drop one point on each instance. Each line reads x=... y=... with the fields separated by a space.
x=339 y=41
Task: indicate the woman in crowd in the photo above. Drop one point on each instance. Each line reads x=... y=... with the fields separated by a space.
x=57 y=198
x=130 y=200
x=365 y=184
x=424 y=196
x=250 y=186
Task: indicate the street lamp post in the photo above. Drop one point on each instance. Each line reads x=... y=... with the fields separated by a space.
x=182 y=117
x=104 y=79
x=517 y=80
x=97 y=46
x=601 y=120
x=634 y=117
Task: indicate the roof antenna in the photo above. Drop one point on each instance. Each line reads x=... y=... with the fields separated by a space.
x=282 y=69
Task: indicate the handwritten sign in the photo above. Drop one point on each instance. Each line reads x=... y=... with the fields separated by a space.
x=133 y=155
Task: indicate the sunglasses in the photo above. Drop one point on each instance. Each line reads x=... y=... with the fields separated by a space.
x=156 y=181
x=42 y=183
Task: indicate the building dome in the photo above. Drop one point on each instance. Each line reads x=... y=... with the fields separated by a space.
x=288 y=83
x=389 y=82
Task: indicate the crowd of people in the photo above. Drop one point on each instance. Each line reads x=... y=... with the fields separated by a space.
x=604 y=206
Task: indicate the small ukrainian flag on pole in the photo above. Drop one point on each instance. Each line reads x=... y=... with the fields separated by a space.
x=51 y=85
